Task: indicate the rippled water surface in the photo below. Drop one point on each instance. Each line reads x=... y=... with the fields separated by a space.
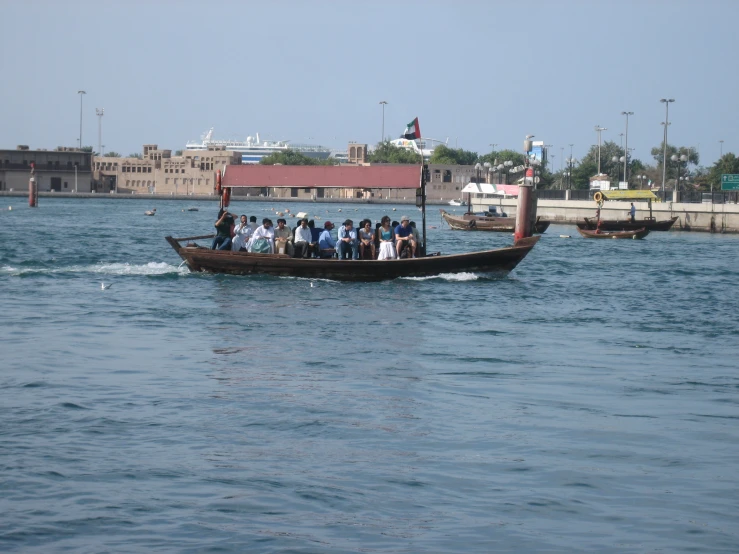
x=588 y=402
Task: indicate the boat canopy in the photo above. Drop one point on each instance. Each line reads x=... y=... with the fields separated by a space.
x=630 y=195
x=491 y=189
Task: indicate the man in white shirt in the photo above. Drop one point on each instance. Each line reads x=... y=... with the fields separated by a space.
x=263 y=238
x=242 y=233
x=303 y=244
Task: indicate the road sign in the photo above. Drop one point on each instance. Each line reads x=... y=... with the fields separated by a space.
x=729 y=182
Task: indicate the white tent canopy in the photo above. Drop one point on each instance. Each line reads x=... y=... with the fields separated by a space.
x=479 y=188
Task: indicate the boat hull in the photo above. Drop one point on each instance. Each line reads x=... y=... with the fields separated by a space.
x=481 y=223
x=636 y=234
x=499 y=261
x=627 y=224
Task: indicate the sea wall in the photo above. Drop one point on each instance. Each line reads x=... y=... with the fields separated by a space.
x=716 y=218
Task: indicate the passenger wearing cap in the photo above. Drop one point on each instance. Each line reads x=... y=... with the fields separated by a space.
x=303 y=240
x=263 y=239
x=404 y=236
x=326 y=243
x=283 y=238
x=348 y=241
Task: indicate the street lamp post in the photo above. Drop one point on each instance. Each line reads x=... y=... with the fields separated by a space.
x=487 y=167
x=100 y=112
x=599 y=129
x=721 y=152
x=383 y=103
x=81 y=93
x=678 y=160
x=666 y=102
x=570 y=166
x=626 y=148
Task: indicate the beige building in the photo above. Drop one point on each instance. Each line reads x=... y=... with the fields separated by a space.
x=63 y=170
x=158 y=172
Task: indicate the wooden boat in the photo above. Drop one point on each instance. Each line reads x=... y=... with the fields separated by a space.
x=627 y=224
x=199 y=258
x=472 y=222
x=593 y=234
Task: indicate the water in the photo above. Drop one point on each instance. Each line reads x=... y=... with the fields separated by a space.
x=587 y=402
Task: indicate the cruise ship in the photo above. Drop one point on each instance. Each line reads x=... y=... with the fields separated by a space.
x=253 y=149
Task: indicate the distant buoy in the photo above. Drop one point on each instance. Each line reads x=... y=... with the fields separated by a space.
x=565 y=236
x=339 y=209
x=394 y=209
x=10 y=208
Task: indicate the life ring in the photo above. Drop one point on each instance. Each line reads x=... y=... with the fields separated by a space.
x=598 y=196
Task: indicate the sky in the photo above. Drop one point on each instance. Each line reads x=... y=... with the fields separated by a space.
x=475 y=73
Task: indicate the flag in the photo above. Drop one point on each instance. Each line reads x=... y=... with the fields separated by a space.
x=412 y=130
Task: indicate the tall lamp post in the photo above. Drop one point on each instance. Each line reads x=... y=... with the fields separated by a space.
x=666 y=102
x=626 y=147
x=721 y=151
x=81 y=93
x=100 y=112
x=383 y=103
x=570 y=164
x=599 y=129
x=678 y=160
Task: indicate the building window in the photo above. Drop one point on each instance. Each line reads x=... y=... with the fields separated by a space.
x=447 y=176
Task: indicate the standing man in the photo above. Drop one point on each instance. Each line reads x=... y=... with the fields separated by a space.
x=348 y=240
x=304 y=244
x=632 y=213
x=404 y=236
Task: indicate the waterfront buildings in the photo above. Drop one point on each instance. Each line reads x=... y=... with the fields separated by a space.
x=60 y=170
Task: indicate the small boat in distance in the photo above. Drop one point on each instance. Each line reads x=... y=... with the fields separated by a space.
x=627 y=225
x=456 y=203
x=151 y=212
x=598 y=234
x=473 y=222
x=192 y=209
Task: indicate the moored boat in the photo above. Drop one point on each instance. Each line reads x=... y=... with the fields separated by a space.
x=627 y=225
x=598 y=234
x=472 y=222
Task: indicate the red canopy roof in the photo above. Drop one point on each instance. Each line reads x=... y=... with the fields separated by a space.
x=320 y=176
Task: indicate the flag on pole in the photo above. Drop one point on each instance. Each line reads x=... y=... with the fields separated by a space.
x=412 y=130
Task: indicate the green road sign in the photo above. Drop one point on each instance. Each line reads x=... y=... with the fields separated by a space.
x=729 y=182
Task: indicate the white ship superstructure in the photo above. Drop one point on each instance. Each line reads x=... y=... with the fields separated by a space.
x=253 y=149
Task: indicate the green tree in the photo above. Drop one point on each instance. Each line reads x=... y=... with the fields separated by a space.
x=658 y=154
x=112 y=154
x=387 y=153
x=291 y=157
x=178 y=152
x=86 y=149
x=588 y=166
x=137 y=155
x=453 y=156
x=728 y=164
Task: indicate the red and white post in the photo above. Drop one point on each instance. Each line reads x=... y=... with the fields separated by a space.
x=525 y=208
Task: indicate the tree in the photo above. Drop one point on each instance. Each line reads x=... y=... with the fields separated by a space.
x=658 y=154
x=291 y=157
x=136 y=155
x=112 y=155
x=178 y=152
x=452 y=156
x=86 y=149
x=588 y=166
x=387 y=153
x=728 y=164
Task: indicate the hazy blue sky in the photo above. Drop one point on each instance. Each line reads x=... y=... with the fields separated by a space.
x=475 y=72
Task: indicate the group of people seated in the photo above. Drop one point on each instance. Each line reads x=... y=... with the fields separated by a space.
x=385 y=241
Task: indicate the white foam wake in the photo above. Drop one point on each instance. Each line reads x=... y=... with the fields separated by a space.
x=151 y=268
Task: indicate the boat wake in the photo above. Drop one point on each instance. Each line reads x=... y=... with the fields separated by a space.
x=450 y=277
x=151 y=268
